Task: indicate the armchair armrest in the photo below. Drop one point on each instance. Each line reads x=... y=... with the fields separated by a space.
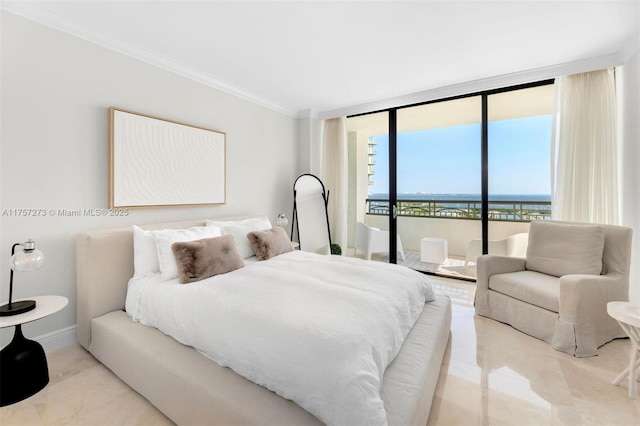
x=583 y=307
x=584 y=297
x=489 y=265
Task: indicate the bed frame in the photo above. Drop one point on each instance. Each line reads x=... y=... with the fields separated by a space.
x=190 y=388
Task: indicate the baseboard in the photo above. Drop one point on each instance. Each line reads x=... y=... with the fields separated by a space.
x=57 y=339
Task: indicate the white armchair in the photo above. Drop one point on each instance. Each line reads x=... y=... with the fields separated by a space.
x=559 y=292
x=371 y=240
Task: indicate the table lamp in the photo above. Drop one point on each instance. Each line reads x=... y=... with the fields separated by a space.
x=282 y=220
x=29 y=259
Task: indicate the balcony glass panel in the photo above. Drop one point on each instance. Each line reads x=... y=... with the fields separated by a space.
x=519 y=163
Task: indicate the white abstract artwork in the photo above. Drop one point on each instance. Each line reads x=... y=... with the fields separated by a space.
x=156 y=162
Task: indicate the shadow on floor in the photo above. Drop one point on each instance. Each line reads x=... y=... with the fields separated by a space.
x=452 y=268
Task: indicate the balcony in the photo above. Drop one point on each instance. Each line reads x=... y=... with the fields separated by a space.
x=457 y=221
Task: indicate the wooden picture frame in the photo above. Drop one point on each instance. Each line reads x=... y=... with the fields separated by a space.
x=155 y=162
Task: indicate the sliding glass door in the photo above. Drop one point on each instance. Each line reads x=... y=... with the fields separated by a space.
x=519 y=161
x=451 y=179
x=439 y=185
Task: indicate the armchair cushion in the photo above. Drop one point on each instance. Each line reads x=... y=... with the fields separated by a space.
x=528 y=286
x=562 y=249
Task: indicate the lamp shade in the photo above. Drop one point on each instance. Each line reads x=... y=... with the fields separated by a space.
x=29 y=259
x=282 y=220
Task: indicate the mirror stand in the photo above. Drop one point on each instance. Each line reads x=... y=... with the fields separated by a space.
x=310 y=216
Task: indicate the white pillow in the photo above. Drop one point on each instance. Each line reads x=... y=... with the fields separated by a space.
x=164 y=239
x=239 y=229
x=145 y=255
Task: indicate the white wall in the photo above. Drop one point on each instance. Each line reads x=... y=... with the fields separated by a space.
x=628 y=82
x=309 y=145
x=56 y=90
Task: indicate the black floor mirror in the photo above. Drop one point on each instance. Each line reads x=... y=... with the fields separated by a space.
x=310 y=216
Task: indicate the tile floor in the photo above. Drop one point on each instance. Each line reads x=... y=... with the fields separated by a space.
x=491 y=375
x=494 y=375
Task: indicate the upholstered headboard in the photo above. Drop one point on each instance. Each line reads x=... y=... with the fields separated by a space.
x=104 y=263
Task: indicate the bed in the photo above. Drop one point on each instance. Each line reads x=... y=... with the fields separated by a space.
x=189 y=387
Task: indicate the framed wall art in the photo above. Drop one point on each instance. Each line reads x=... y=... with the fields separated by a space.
x=162 y=163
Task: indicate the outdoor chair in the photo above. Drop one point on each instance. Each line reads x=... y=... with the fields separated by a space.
x=512 y=246
x=371 y=240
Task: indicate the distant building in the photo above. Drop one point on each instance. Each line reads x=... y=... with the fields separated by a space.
x=371 y=153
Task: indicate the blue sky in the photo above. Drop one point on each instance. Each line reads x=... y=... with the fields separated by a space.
x=447 y=160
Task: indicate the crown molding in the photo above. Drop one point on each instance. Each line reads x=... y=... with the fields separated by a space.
x=40 y=14
x=480 y=85
x=307 y=113
x=44 y=16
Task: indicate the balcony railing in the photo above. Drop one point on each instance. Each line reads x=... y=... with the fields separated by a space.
x=512 y=211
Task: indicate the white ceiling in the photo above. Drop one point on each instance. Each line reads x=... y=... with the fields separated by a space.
x=323 y=56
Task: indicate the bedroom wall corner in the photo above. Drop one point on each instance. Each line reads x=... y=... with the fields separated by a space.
x=56 y=90
x=309 y=144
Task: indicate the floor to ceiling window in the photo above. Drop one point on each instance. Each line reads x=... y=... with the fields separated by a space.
x=432 y=166
x=519 y=165
x=439 y=182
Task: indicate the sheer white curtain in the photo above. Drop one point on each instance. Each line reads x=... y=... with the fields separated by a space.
x=334 y=177
x=584 y=151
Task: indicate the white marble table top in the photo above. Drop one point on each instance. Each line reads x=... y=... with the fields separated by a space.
x=45 y=306
x=625 y=312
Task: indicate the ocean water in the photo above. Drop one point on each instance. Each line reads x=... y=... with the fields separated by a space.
x=465 y=197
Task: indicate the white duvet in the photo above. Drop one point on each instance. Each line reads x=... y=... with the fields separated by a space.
x=318 y=330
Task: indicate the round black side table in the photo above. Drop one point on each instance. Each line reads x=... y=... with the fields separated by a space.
x=23 y=363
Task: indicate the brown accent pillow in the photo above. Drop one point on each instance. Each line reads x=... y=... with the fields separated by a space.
x=200 y=259
x=269 y=243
